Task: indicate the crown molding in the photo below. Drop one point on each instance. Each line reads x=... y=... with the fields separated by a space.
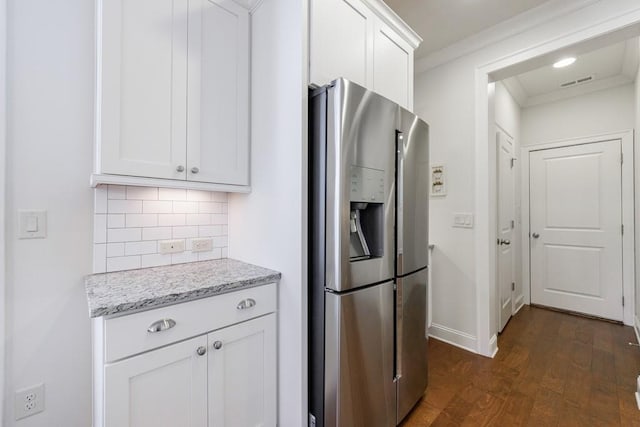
x=548 y=11
x=389 y=17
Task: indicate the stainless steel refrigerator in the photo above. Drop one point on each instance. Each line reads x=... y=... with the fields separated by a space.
x=368 y=209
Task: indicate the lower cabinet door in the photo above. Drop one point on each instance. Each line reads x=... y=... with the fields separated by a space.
x=242 y=374
x=164 y=387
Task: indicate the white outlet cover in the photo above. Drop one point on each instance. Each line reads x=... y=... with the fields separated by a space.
x=171 y=246
x=202 y=245
x=29 y=401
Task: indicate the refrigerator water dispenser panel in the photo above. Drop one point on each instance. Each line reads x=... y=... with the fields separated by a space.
x=366 y=217
x=367 y=185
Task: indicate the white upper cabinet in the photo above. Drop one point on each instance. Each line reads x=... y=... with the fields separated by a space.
x=173 y=93
x=218 y=119
x=341 y=37
x=363 y=41
x=393 y=66
x=143 y=69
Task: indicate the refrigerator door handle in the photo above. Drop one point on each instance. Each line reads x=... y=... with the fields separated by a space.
x=399 y=200
x=399 y=320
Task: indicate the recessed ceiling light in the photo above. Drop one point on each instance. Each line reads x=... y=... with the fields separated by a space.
x=565 y=62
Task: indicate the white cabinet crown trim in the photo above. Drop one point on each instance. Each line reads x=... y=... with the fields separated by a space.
x=389 y=17
x=101 y=179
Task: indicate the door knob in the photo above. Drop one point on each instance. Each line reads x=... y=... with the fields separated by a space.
x=217 y=345
x=201 y=351
x=505 y=242
x=535 y=235
x=180 y=168
x=195 y=170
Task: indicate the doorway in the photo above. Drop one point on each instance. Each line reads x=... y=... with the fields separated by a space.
x=575 y=223
x=578 y=220
x=506 y=226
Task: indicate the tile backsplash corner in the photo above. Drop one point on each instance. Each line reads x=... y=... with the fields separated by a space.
x=130 y=221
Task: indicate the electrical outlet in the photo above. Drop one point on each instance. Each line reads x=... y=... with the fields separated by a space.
x=201 y=245
x=171 y=246
x=29 y=401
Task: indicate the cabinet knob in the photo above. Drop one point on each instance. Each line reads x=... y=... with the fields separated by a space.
x=535 y=235
x=180 y=168
x=195 y=170
x=201 y=351
x=161 y=325
x=217 y=345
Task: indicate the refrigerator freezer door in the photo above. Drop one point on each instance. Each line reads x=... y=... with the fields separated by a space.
x=360 y=178
x=411 y=340
x=412 y=193
x=359 y=387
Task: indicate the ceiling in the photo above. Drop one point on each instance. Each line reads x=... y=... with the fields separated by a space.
x=443 y=22
x=608 y=66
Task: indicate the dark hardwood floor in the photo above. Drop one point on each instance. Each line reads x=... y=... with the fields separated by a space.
x=552 y=369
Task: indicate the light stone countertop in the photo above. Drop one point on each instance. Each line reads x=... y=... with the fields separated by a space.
x=133 y=290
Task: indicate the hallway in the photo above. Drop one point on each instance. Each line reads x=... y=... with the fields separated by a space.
x=552 y=369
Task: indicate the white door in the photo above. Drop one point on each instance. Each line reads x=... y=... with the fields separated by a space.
x=575 y=228
x=218 y=85
x=164 y=387
x=242 y=374
x=143 y=99
x=506 y=226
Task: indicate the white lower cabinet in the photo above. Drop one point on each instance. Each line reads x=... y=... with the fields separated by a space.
x=164 y=387
x=242 y=374
x=209 y=362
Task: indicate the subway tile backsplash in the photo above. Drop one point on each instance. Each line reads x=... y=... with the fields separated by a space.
x=129 y=223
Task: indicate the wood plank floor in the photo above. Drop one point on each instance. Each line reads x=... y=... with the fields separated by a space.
x=552 y=369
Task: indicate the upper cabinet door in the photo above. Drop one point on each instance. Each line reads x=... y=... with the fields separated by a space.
x=341 y=43
x=393 y=66
x=218 y=92
x=142 y=86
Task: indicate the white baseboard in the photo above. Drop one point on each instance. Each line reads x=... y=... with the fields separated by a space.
x=636 y=328
x=493 y=346
x=519 y=304
x=454 y=337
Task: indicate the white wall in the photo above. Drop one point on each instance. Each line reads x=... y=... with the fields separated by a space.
x=594 y=113
x=268 y=226
x=508 y=116
x=3 y=133
x=637 y=199
x=453 y=288
x=446 y=97
x=50 y=67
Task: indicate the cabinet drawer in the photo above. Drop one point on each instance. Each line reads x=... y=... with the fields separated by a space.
x=128 y=335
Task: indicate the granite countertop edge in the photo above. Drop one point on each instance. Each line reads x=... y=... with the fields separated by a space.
x=113 y=307
x=171 y=299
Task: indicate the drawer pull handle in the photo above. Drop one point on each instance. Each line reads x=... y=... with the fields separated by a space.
x=246 y=303
x=161 y=325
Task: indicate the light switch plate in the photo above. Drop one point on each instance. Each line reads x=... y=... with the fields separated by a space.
x=463 y=220
x=32 y=224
